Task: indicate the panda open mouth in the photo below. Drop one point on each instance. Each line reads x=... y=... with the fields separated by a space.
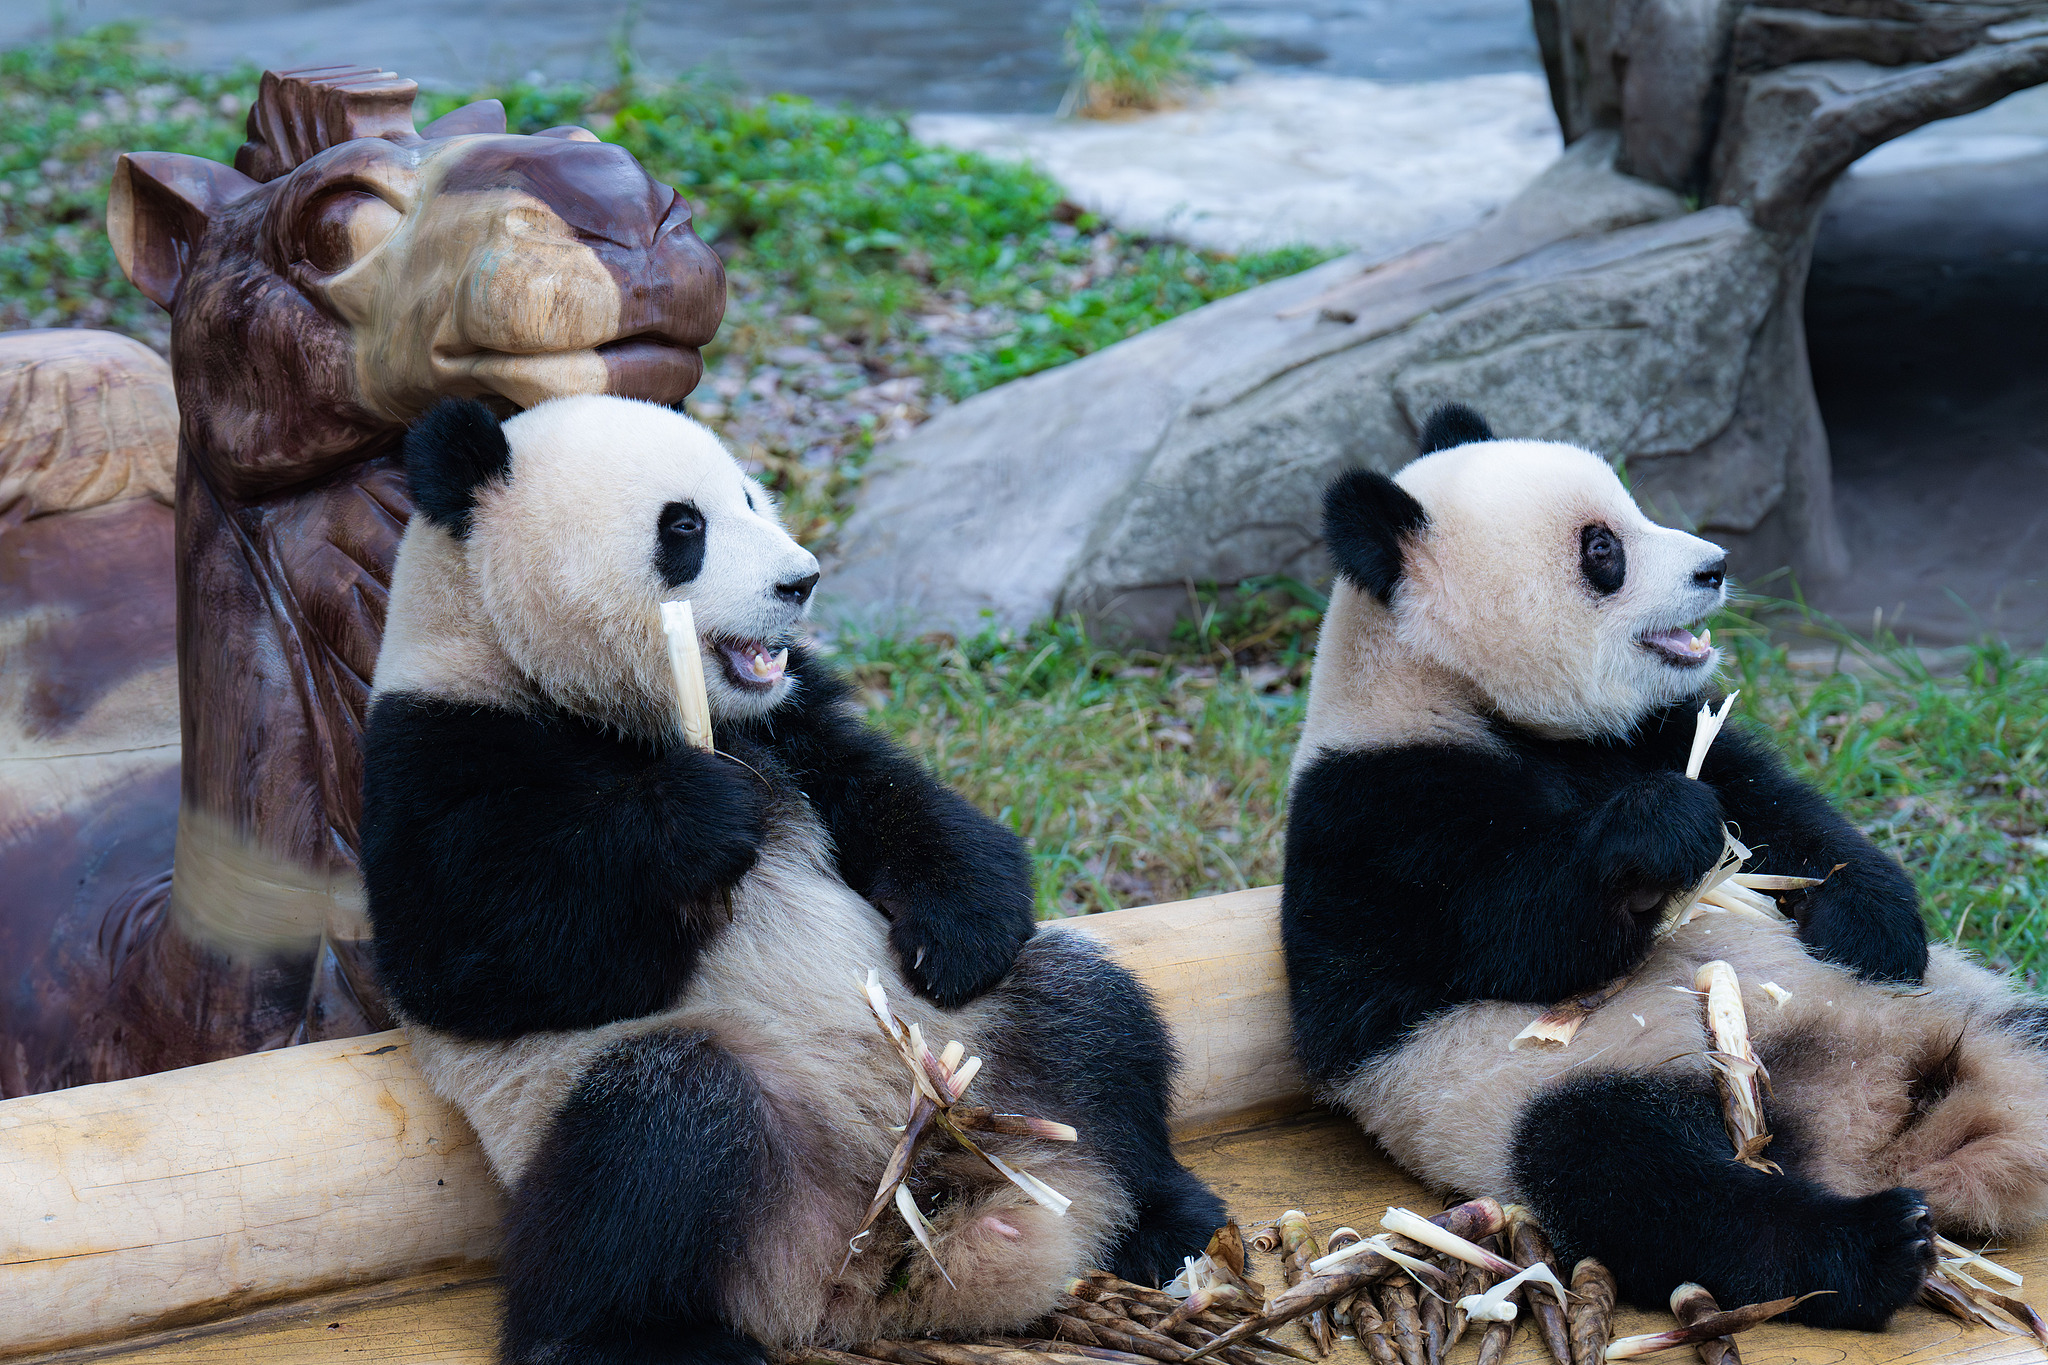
x=751 y=665
x=1678 y=646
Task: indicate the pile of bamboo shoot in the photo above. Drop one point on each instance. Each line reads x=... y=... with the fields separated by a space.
x=938 y=1082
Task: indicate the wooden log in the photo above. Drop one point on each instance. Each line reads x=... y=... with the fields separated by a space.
x=148 y=1204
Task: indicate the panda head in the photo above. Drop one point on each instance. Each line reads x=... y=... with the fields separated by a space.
x=543 y=547
x=1526 y=571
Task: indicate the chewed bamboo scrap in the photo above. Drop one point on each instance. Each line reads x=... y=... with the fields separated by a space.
x=938 y=1083
x=1556 y=1026
x=1957 y=1287
x=1689 y=1304
x=1703 y=1328
x=686 y=663
x=1738 y=1075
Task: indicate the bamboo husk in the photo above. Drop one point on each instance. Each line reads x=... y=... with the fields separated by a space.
x=1045 y=1347
x=1493 y=1343
x=1360 y=1265
x=1954 y=1288
x=1495 y=1337
x=1590 y=1318
x=1689 y=1304
x=1298 y=1251
x=1435 y=1329
x=1527 y=1244
x=1556 y=1026
x=1404 y=1319
x=1738 y=1075
x=1474 y=1281
x=1704 y=1328
x=1372 y=1330
x=686 y=664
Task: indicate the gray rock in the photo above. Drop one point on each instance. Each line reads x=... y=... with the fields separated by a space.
x=1196 y=451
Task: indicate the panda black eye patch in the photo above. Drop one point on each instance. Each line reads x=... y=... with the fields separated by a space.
x=1601 y=559
x=679 y=543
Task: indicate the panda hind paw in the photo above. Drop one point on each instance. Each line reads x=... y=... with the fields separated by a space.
x=1175 y=1222
x=1875 y=1264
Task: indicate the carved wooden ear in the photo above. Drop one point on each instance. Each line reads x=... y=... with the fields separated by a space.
x=158 y=210
x=456 y=448
x=483 y=116
x=1453 y=424
x=1366 y=516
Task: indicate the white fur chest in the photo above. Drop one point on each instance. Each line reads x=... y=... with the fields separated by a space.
x=779 y=986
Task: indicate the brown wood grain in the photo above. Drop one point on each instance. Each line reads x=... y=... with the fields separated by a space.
x=1315 y=1162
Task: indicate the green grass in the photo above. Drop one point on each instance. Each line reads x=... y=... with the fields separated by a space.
x=1148 y=777
x=822 y=213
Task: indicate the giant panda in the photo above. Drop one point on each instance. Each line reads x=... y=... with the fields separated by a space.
x=1487 y=813
x=637 y=966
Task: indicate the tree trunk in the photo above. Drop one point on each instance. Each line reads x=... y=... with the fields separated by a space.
x=1761 y=108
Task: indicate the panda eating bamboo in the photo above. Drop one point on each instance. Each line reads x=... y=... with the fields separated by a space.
x=1490 y=814
x=637 y=966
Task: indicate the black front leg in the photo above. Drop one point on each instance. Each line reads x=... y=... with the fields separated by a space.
x=1867 y=915
x=955 y=885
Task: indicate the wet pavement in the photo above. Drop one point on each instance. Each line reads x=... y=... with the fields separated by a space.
x=987 y=56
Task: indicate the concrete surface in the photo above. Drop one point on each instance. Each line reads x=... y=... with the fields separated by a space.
x=1274 y=159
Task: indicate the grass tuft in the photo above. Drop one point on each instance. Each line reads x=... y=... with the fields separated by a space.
x=1158 y=64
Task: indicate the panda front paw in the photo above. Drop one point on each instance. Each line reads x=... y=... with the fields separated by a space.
x=1662 y=834
x=955 y=948
x=1880 y=938
x=717 y=814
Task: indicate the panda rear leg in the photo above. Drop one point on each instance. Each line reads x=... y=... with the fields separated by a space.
x=632 y=1207
x=1073 y=1003
x=1637 y=1170
x=1975 y=1139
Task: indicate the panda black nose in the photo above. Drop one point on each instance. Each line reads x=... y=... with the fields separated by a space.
x=798 y=591
x=1712 y=575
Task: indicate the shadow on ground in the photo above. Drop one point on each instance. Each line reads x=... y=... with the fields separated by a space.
x=1925 y=315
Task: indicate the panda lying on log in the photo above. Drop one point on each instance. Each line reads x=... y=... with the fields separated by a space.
x=636 y=966
x=1489 y=805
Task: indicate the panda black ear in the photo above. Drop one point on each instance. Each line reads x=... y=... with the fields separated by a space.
x=1453 y=424
x=456 y=447
x=1366 y=515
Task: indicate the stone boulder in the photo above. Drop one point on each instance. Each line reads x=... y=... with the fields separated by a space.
x=1641 y=298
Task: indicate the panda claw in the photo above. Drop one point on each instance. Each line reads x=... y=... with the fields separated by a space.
x=917 y=961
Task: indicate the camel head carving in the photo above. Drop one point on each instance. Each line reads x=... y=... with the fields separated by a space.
x=348 y=270
x=343 y=274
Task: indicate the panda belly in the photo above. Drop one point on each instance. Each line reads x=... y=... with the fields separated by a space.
x=1939 y=1088
x=781 y=990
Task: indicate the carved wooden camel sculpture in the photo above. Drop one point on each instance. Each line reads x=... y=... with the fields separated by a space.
x=342 y=275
